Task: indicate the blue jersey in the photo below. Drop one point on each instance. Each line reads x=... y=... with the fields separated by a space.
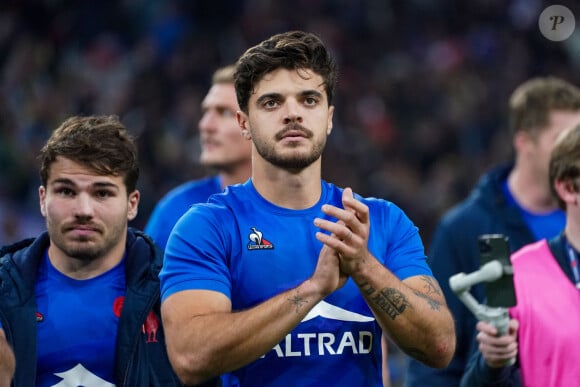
x=77 y=326
x=543 y=226
x=251 y=250
x=175 y=203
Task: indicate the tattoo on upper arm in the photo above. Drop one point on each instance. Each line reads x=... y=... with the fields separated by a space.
x=298 y=301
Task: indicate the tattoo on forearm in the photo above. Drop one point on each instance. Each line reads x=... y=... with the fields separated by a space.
x=434 y=304
x=367 y=288
x=391 y=301
x=431 y=286
x=298 y=301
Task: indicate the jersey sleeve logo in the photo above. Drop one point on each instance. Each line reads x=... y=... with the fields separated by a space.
x=257 y=240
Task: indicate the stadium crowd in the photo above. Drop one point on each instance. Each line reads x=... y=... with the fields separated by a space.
x=421 y=90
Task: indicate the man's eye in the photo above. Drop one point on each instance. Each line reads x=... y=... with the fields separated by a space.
x=65 y=192
x=270 y=103
x=311 y=101
x=103 y=194
x=226 y=113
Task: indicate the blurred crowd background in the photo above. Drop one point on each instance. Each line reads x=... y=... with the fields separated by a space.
x=420 y=105
x=421 y=99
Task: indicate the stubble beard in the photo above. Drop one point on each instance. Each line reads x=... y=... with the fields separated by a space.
x=84 y=249
x=293 y=161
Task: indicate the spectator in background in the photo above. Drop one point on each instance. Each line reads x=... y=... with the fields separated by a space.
x=79 y=304
x=288 y=279
x=545 y=323
x=514 y=200
x=223 y=150
x=423 y=89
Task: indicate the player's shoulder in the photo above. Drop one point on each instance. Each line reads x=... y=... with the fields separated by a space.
x=201 y=188
x=220 y=206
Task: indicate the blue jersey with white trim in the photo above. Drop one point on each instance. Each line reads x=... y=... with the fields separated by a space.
x=251 y=250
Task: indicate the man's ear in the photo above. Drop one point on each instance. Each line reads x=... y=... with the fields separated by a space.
x=566 y=191
x=133 y=207
x=243 y=123
x=329 y=123
x=42 y=199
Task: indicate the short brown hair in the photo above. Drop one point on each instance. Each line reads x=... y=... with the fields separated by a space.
x=100 y=142
x=565 y=161
x=531 y=103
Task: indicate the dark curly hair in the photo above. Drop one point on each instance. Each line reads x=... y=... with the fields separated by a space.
x=290 y=50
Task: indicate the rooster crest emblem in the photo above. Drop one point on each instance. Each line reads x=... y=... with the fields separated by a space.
x=257 y=240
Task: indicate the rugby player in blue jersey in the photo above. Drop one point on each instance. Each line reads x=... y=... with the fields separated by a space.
x=223 y=150
x=287 y=279
x=80 y=304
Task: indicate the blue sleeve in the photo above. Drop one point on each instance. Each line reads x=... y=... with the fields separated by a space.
x=159 y=225
x=176 y=203
x=196 y=253
x=406 y=252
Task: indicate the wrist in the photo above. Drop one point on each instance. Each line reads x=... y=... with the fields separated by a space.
x=310 y=289
x=362 y=269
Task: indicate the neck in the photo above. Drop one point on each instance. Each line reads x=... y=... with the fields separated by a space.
x=82 y=269
x=236 y=175
x=530 y=193
x=293 y=190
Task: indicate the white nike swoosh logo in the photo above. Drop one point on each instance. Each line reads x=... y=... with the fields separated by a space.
x=326 y=310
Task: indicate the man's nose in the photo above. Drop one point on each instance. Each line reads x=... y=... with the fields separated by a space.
x=84 y=205
x=207 y=122
x=292 y=113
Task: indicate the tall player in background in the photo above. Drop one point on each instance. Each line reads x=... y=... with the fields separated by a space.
x=288 y=279
x=222 y=149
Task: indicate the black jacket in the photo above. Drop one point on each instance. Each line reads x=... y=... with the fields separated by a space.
x=454 y=249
